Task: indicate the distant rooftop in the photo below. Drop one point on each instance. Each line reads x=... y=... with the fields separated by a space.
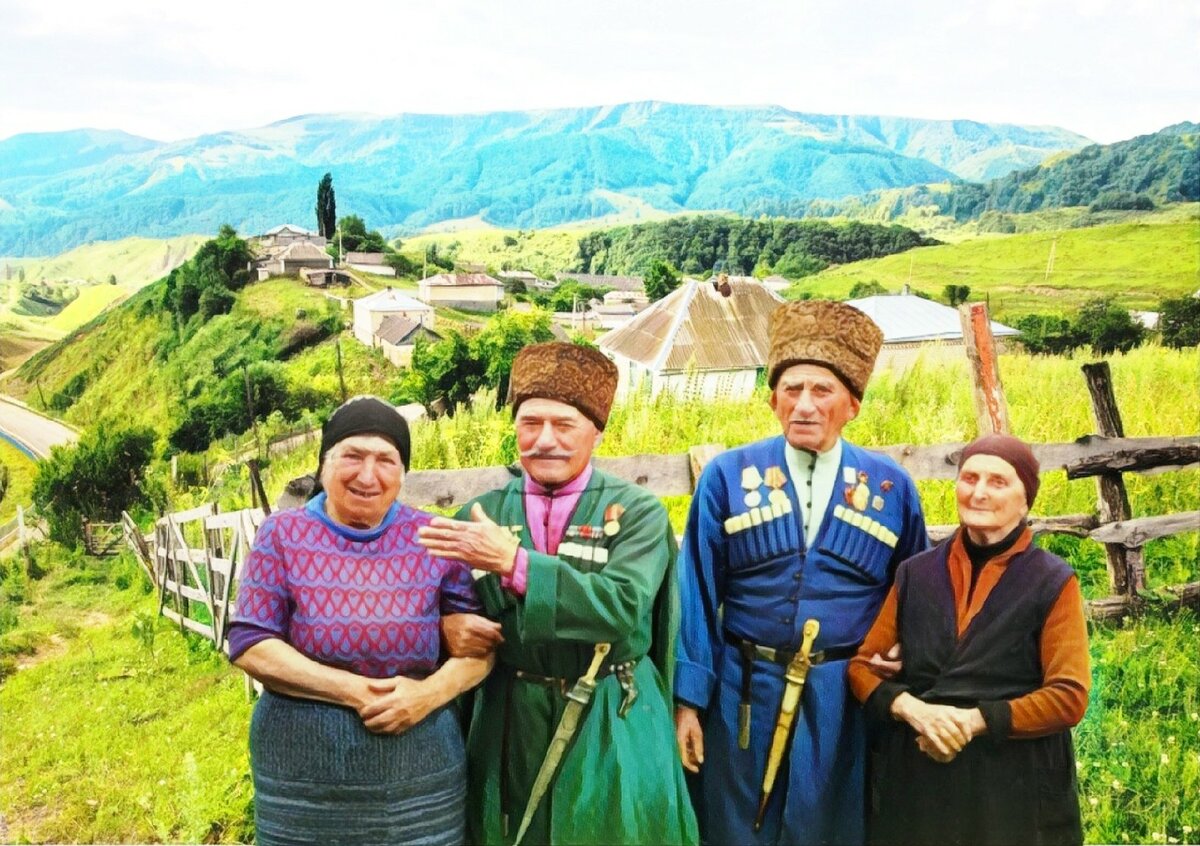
x=906 y=318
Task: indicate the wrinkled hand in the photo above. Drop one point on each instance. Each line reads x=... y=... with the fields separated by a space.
x=928 y=748
x=690 y=737
x=946 y=728
x=399 y=704
x=479 y=543
x=470 y=635
x=888 y=665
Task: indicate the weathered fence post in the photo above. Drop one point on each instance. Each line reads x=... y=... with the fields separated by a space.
x=1126 y=569
x=991 y=409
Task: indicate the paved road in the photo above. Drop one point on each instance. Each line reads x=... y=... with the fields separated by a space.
x=29 y=431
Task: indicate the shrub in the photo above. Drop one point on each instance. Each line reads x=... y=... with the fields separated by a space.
x=96 y=479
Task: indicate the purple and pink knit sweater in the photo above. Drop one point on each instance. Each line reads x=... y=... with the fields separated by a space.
x=366 y=601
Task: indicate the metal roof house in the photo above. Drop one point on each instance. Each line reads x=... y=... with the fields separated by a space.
x=915 y=326
x=701 y=340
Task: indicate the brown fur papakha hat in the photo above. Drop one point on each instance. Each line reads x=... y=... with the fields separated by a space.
x=580 y=376
x=833 y=335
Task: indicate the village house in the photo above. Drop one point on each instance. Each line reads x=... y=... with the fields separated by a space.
x=292 y=259
x=371 y=310
x=397 y=336
x=702 y=340
x=914 y=326
x=468 y=291
x=369 y=263
x=288 y=233
x=324 y=277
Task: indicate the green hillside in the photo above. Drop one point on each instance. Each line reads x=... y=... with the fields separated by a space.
x=135 y=365
x=1137 y=264
x=130 y=264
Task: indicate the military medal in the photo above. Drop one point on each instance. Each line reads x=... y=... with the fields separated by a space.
x=877 y=503
x=612 y=518
x=751 y=480
x=861 y=494
x=775 y=480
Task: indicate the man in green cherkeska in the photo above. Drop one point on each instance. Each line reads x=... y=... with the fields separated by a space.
x=578 y=575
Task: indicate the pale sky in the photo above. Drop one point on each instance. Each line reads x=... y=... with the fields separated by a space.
x=1104 y=68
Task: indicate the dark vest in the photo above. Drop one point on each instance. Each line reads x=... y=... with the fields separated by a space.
x=998 y=790
x=999 y=655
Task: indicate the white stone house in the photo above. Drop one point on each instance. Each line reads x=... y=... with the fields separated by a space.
x=370 y=311
x=467 y=291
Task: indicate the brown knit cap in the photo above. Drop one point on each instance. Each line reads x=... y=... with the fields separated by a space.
x=834 y=335
x=1013 y=450
x=577 y=375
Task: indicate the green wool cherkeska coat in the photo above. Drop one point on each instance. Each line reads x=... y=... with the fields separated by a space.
x=620 y=780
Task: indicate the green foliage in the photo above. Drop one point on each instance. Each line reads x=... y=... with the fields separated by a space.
x=453 y=369
x=866 y=289
x=1121 y=200
x=4 y=474
x=96 y=479
x=1108 y=327
x=1179 y=322
x=354 y=237
x=661 y=279
x=735 y=246
x=204 y=284
x=569 y=294
x=326 y=207
x=956 y=294
x=1047 y=334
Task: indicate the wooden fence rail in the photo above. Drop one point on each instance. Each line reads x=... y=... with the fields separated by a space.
x=198 y=554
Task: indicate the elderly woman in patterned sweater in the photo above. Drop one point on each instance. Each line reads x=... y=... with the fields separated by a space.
x=976 y=745
x=338 y=616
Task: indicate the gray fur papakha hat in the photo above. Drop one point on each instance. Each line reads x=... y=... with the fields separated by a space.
x=580 y=376
x=833 y=335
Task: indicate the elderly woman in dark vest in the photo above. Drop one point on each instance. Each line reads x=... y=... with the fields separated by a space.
x=338 y=616
x=976 y=741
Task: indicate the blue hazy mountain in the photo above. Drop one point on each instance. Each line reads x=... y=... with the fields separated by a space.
x=509 y=169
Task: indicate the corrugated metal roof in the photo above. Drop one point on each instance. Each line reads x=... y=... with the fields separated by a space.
x=695 y=326
x=461 y=280
x=905 y=318
x=398 y=330
x=389 y=299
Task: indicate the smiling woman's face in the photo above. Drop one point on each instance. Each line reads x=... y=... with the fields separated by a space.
x=991 y=498
x=361 y=476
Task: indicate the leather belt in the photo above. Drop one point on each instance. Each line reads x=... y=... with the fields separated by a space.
x=752 y=652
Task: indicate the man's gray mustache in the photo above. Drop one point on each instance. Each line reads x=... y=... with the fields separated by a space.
x=559 y=456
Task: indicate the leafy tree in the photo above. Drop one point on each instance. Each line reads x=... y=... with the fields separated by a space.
x=956 y=294
x=214 y=300
x=326 y=207
x=660 y=280
x=1047 y=334
x=1179 y=322
x=96 y=479
x=355 y=238
x=866 y=289
x=1108 y=327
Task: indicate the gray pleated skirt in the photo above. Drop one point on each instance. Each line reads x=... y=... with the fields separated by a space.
x=321 y=777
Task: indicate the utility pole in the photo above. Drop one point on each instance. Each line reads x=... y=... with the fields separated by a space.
x=337 y=345
x=1050 y=260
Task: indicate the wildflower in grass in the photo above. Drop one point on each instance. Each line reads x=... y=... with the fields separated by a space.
x=1163 y=759
x=1093 y=801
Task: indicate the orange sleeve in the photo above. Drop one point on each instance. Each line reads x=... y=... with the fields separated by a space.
x=880 y=638
x=1066 y=671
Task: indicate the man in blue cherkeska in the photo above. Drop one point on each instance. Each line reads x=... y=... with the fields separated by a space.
x=790 y=547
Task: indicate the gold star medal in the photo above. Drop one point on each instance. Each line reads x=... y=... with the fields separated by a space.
x=775 y=480
x=751 y=480
x=612 y=518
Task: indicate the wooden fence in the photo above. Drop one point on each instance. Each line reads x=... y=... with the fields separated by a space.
x=197 y=554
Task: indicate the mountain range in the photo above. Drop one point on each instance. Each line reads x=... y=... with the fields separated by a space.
x=509 y=169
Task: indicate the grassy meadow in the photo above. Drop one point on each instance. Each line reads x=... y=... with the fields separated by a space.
x=1136 y=263
x=21 y=470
